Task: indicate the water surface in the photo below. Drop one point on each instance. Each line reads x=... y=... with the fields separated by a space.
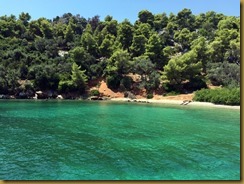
x=76 y=140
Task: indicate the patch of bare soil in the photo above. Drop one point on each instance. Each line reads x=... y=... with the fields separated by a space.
x=102 y=87
x=105 y=91
x=176 y=97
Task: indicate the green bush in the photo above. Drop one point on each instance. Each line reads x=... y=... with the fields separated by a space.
x=223 y=96
x=66 y=86
x=113 y=81
x=149 y=96
x=94 y=92
x=126 y=82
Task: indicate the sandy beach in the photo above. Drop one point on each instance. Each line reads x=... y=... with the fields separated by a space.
x=159 y=99
x=175 y=102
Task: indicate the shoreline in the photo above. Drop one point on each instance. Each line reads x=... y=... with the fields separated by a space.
x=176 y=102
x=144 y=100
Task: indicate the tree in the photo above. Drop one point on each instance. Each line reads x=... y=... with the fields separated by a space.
x=144 y=29
x=35 y=28
x=118 y=63
x=78 y=77
x=46 y=77
x=199 y=46
x=111 y=26
x=125 y=34
x=216 y=51
x=107 y=47
x=232 y=55
x=181 y=68
x=82 y=58
x=69 y=32
x=25 y=18
x=46 y=28
x=94 y=22
x=229 y=23
x=7 y=25
x=88 y=42
x=138 y=45
x=160 y=21
x=143 y=66
x=59 y=30
x=8 y=80
x=154 y=50
x=146 y=16
x=226 y=74
x=76 y=82
x=185 y=19
x=184 y=37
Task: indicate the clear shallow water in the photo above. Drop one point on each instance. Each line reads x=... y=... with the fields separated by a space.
x=74 y=140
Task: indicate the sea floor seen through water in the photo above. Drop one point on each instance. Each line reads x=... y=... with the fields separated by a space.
x=76 y=140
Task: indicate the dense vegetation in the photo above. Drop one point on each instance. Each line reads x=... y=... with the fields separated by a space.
x=223 y=96
x=178 y=53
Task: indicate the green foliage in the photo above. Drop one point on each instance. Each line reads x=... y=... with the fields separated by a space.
x=78 y=78
x=94 y=92
x=223 y=96
x=153 y=47
x=160 y=21
x=181 y=68
x=118 y=63
x=185 y=19
x=45 y=77
x=125 y=34
x=46 y=28
x=25 y=18
x=149 y=96
x=226 y=74
x=153 y=81
x=138 y=45
x=88 y=42
x=187 y=49
x=8 y=80
x=107 y=46
x=126 y=83
x=113 y=81
x=146 y=16
x=75 y=83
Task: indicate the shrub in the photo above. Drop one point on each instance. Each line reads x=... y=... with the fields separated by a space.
x=149 y=96
x=113 y=81
x=223 y=96
x=94 y=92
x=126 y=82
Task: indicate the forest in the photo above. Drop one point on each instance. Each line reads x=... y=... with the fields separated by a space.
x=175 y=53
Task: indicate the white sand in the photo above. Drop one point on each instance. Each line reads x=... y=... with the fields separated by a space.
x=175 y=102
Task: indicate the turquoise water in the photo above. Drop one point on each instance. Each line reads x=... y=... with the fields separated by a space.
x=76 y=140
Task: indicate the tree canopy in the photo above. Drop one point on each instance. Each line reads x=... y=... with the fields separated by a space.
x=65 y=53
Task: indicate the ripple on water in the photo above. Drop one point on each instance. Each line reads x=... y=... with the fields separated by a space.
x=78 y=140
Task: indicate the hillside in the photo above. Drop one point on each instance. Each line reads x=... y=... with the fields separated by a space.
x=156 y=55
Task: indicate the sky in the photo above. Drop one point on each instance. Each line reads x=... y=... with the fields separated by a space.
x=119 y=9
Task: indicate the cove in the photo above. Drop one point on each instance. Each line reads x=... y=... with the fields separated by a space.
x=79 y=140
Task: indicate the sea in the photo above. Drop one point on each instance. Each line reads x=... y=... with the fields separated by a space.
x=86 y=140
